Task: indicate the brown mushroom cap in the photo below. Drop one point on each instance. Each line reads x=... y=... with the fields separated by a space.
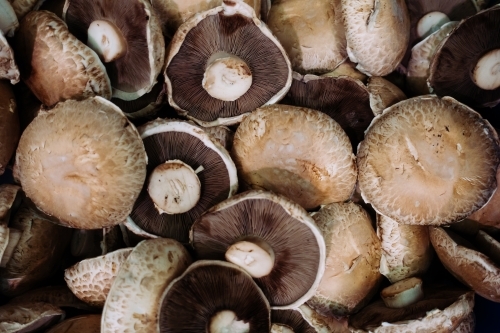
x=9 y=124
x=428 y=160
x=323 y=324
x=28 y=317
x=296 y=152
x=47 y=57
x=83 y=163
x=489 y=214
x=80 y=324
x=8 y=66
x=22 y=7
x=383 y=94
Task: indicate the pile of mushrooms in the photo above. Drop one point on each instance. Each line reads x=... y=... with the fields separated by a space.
x=237 y=166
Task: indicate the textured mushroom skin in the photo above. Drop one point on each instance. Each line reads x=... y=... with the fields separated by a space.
x=377 y=34
x=383 y=94
x=489 y=214
x=28 y=317
x=81 y=324
x=48 y=55
x=22 y=7
x=9 y=124
x=8 y=66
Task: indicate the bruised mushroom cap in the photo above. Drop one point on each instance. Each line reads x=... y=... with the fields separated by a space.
x=8 y=66
x=352 y=273
x=471 y=267
x=293 y=319
x=47 y=55
x=213 y=290
x=453 y=66
x=284 y=226
x=441 y=310
x=91 y=279
x=428 y=160
x=406 y=249
x=169 y=140
x=232 y=35
x=134 y=297
x=136 y=72
x=8 y=18
x=383 y=94
x=28 y=317
x=9 y=124
x=377 y=34
x=311 y=33
x=82 y=324
x=83 y=163
x=296 y=152
x=344 y=99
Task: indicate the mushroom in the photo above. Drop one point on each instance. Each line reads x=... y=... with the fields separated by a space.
x=134 y=298
x=352 y=274
x=270 y=237
x=187 y=173
x=28 y=317
x=222 y=134
x=127 y=37
x=470 y=75
x=377 y=34
x=489 y=214
x=290 y=321
x=83 y=163
x=383 y=94
x=223 y=297
x=80 y=324
x=8 y=18
x=91 y=279
x=279 y=148
x=10 y=199
x=58 y=295
x=22 y=7
x=311 y=33
x=416 y=162
x=406 y=249
x=8 y=66
x=9 y=124
x=323 y=324
x=403 y=293
x=224 y=63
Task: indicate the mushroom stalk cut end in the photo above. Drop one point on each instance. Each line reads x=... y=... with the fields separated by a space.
x=226 y=322
x=255 y=257
x=486 y=74
x=106 y=40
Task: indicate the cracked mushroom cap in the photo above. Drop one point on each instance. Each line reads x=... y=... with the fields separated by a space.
x=479 y=271
x=222 y=295
x=428 y=161
x=470 y=74
x=81 y=324
x=8 y=66
x=353 y=250
x=257 y=221
x=207 y=176
x=83 y=163
x=134 y=26
x=311 y=33
x=224 y=63
x=278 y=148
x=48 y=55
x=377 y=34
x=134 y=298
x=9 y=124
x=91 y=279
x=28 y=317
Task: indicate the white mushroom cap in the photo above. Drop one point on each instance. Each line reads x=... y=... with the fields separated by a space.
x=28 y=317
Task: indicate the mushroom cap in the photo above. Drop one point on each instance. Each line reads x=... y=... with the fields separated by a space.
x=428 y=160
x=136 y=73
x=179 y=140
x=292 y=318
x=298 y=246
x=134 y=297
x=489 y=214
x=22 y=7
x=9 y=124
x=452 y=66
x=383 y=94
x=311 y=33
x=8 y=18
x=59 y=295
x=83 y=163
x=80 y=324
x=406 y=249
x=353 y=250
x=8 y=66
x=377 y=34
x=222 y=134
x=232 y=28
x=323 y=324
x=297 y=152
x=28 y=317
x=91 y=279
x=206 y=288
x=471 y=267
x=47 y=55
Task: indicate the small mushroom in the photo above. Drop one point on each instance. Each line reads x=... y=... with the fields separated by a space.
x=8 y=66
x=270 y=237
x=28 y=317
x=214 y=297
x=9 y=124
x=79 y=324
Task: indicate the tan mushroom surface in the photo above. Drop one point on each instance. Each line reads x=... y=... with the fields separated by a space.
x=489 y=214
x=79 y=324
x=383 y=94
x=28 y=317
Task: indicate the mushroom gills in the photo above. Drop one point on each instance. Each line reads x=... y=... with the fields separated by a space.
x=253 y=255
x=106 y=40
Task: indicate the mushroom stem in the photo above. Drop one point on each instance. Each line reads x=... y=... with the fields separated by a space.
x=253 y=255
x=225 y=321
x=403 y=293
x=227 y=77
x=278 y=328
x=14 y=237
x=486 y=74
x=430 y=23
x=174 y=187
x=106 y=40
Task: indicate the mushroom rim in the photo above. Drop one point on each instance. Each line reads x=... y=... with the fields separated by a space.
x=295 y=211
x=178 y=40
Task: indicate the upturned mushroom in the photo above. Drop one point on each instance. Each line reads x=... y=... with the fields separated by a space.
x=80 y=324
x=270 y=237
x=9 y=124
x=224 y=63
x=8 y=66
x=28 y=317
